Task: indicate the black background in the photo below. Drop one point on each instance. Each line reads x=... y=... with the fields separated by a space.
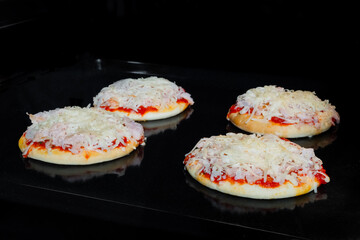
x=297 y=44
x=277 y=37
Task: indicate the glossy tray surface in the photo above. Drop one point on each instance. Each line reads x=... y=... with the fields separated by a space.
x=153 y=178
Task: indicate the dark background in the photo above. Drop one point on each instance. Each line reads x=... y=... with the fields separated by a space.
x=315 y=40
x=269 y=36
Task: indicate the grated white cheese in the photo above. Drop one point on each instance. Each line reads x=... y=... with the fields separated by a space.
x=288 y=105
x=78 y=129
x=254 y=157
x=133 y=93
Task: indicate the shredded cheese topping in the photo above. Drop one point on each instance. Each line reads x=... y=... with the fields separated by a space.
x=288 y=105
x=146 y=92
x=77 y=129
x=254 y=157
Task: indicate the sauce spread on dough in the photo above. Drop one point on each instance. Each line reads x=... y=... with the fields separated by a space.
x=140 y=110
x=269 y=183
x=42 y=145
x=182 y=100
x=277 y=120
x=320 y=178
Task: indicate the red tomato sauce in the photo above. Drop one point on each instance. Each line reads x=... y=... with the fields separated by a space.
x=320 y=178
x=182 y=100
x=236 y=109
x=269 y=183
x=42 y=145
x=141 y=110
x=187 y=158
x=277 y=120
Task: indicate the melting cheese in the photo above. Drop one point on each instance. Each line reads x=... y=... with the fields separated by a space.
x=288 y=105
x=78 y=129
x=146 y=92
x=254 y=157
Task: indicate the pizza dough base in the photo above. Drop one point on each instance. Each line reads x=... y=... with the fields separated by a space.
x=164 y=113
x=253 y=191
x=286 y=131
x=57 y=156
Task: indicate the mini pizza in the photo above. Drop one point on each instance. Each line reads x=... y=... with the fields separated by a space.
x=144 y=99
x=255 y=166
x=286 y=113
x=80 y=136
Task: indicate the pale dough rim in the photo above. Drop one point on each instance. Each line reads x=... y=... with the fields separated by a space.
x=168 y=112
x=254 y=191
x=287 y=131
x=57 y=156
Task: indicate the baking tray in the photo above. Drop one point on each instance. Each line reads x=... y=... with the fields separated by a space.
x=150 y=187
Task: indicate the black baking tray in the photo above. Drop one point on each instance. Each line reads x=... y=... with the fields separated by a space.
x=150 y=188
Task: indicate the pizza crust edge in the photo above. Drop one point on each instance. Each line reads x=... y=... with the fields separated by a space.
x=168 y=112
x=57 y=156
x=286 y=131
x=252 y=190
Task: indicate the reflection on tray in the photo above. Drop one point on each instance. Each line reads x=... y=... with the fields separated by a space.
x=240 y=205
x=158 y=126
x=86 y=172
x=319 y=141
